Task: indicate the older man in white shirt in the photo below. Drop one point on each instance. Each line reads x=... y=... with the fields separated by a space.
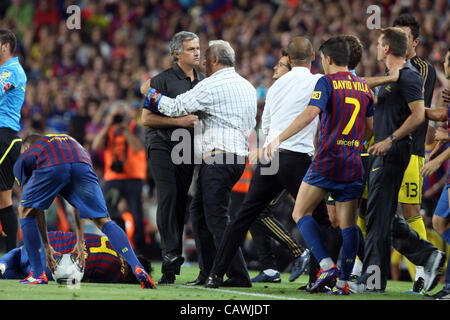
x=226 y=105
x=286 y=99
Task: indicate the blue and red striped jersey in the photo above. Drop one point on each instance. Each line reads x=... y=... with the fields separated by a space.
x=448 y=118
x=103 y=263
x=430 y=181
x=448 y=130
x=49 y=151
x=345 y=100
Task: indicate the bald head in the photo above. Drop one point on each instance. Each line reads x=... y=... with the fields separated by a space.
x=300 y=51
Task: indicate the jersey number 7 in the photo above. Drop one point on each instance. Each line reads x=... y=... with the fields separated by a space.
x=351 y=123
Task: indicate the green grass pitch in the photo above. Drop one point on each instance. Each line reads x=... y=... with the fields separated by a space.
x=13 y=290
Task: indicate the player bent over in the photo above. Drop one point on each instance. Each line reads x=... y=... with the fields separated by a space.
x=346 y=104
x=54 y=165
x=103 y=263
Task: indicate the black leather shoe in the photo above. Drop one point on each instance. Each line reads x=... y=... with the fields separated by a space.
x=197 y=282
x=213 y=281
x=171 y=263
x=167 y=278
x=233 y=282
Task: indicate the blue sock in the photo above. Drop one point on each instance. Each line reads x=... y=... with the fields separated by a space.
x=446 y=236
x=350 y=245
x=32 y=243
x=311 y=233
x=120 y=243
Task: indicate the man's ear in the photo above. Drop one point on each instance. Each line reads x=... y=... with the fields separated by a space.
x=329 y=60
x=6 y=47
x=176 y=54
x=313 y=56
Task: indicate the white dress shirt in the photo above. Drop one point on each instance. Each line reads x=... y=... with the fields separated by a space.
x=225 y=103
x=286 y=99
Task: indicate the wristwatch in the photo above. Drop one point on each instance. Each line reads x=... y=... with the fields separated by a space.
x=393 y=138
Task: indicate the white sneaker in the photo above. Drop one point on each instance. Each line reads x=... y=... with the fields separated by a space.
x=356 y=287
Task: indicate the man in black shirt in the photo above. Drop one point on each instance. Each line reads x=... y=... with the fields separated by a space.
x=399 y=111
x=410 y=195
x=172 y=180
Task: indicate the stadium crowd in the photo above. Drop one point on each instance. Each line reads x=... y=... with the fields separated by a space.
x=77 y=76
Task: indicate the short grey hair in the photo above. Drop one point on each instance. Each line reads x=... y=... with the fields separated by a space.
x=223 y=50
x=176 y=44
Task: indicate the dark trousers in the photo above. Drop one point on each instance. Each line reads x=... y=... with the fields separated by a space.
x=209 y=215
x=267 y=228
x=131 y=190
x=385 y=178
x=263 y=188
x=172 y=185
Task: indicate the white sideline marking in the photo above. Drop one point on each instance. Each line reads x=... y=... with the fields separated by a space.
x=241 y=293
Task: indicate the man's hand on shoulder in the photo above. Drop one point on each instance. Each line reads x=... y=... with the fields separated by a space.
x=145 y=87
x=446 y=95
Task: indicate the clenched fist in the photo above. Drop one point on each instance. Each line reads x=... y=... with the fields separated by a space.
x=187 y=121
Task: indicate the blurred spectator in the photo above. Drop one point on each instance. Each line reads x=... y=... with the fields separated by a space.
x=126 y=42
x=125 y=165
x=46 y=13
x=21 y=13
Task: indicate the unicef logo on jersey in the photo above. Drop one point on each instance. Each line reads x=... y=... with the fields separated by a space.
x=348 y=143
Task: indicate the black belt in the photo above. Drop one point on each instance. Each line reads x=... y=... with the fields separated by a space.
x=292 y=152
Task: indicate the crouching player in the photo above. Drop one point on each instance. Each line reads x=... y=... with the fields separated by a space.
x=54 y=165
x=103 y=263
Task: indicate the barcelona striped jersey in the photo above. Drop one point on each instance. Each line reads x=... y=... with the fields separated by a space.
x=430 y=181
x=448 y=130
x=50 y=150
x=345 y=100
x=103 y=264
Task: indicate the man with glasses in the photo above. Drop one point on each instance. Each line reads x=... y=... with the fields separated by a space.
x=266 y=227
x=282 y=66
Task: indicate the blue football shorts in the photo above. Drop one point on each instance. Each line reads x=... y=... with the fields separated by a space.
x=442 y=208
x=339 y=191
x=75 y=182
